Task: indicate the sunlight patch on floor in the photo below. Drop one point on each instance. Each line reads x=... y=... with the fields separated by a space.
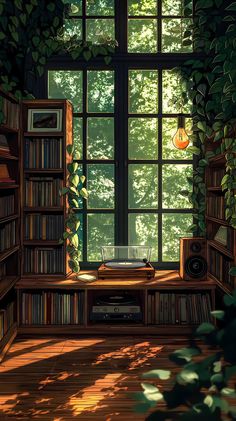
x=92 y=396
x=43 y=354
x=137 y=354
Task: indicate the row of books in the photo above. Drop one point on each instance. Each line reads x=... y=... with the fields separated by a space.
x=216 y=207
x=43 y=191
x=56 y=308
x=180 y=309
x=7 y=236
x=216 y=176
x=7 y=205
x=10 y=113
x=44 y=260
x=219 y=267
x=7 y=319
x=43 y=153
x=43 y=227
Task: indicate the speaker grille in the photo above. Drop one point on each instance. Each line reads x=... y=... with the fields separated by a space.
x=196 y=247
x=196 y=266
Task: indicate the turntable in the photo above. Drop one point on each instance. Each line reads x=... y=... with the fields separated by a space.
x=126 y=262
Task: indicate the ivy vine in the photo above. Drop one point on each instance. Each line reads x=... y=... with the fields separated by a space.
x=211 y=86
x=31 y=32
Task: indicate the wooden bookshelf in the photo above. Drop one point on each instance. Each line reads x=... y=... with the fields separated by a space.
x=10 y=154
x=44 y=173
x=164 y=282
x=221 y=256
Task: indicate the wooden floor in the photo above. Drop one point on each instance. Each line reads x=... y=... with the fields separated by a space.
x=87 y=379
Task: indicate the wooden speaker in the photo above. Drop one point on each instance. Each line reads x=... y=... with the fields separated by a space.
x=193 y=263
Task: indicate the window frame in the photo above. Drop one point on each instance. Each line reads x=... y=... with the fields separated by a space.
x=122 y=61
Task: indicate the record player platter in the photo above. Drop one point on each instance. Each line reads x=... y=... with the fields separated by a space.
x=116 y=300
x=125 y=264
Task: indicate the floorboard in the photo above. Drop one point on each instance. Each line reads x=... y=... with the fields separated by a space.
x=86 y=379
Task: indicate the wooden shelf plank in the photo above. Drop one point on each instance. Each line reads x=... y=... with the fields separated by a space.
x=217 y=160
x=8 y=252
x=7 y=129
x=215 y=189
x=44 y=134
x=8 y=156
x=217 y=221
x=45 y=243
x=7 y=340
x=220 y=248
x=224 y=287
x=7 y=284
x=44 y=171
x=6 y=186
x=8 y=218
x=163 y=280
x=108 y=329
x=43 y=209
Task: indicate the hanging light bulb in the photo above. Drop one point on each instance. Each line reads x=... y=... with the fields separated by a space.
x=181 y=139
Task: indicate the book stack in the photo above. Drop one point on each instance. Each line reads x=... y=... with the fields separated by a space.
x=180 y=309
x=7 y=205
x=8 y=236
x=56 y=308
x=43 y=227
x=216 y=207
x=7 y=318
x=43 y=153
x=43 y=191
x=10 y=113
x=219 y=267
x=44 y=260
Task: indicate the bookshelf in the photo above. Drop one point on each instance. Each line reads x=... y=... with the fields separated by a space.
x=221 y=252
x=196 y=297
x=47 y=130
x=10 y=153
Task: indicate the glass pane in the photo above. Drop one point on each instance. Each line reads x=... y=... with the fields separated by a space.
x=169 y=128
x=100 y=30
x=173 y=35
x=100 y=140
x=73 y=7
x=170 y=7
x=142 y=7
x=78 y=138
x=174 y=181
x=72 y=27
x=101 y=91
x=66 y=84
x=142 y=36
x=101 y=186
x=143 y=90
x=172 y=88
x=143 y=135
x=174 y=226
x=100 y=8
x=143 y=186
x=100 y=233
x=143 y=230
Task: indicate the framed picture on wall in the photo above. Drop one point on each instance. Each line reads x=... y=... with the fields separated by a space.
x=45 y=120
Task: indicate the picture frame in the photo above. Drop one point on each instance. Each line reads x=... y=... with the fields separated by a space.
x=44 y=120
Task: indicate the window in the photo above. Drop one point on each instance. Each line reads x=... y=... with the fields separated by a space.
x=125 y=116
